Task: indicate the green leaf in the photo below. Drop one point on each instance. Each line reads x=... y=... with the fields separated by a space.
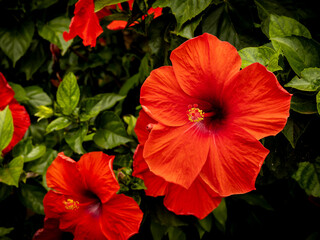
x=5 y=191
x=219 y=24
x=130 y=120
x=42 y=4
x=10 y=174
x=93 y=106
x=53 y=32
x=5 y=231
x=303 y=105
x=15 y=41
x=30 y=152
x=264 y=55
x=41 y=165
x=220 y=214
x=183 y=10
x=157 y=230
x=75 y=137
x=309 y=81
x=33 y=59
x=205 y=224
x=256 y=200
x=308 y=177
x=32 y=197
x=99 y=4
x=19 y=93
x=300 y=52
x=318 y=101
x=282 y=26
x=68 y=94
x=188 y=28
x=111 y=132
x=58 y=124
x=37 y=97
x=175 y=233
x=294 y=129
x=6 y=128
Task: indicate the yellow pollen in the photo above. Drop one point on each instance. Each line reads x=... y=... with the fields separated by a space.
x=195 y=114
x=71 y=204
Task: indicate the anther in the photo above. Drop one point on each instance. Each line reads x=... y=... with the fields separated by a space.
x=71 y=204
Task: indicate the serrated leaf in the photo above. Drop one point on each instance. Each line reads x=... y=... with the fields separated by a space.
x=68 y=94
x=58 y=124
x=111 y=132
x=300 y=52
x=15 y=41
x=32 y=197
x=75 y=137
x=99 y=4
x=309 y=81
x=10 y=174
x=183 y=10
x=308 y=177
x=263 y=55
x=53 y=32
x=6 y=128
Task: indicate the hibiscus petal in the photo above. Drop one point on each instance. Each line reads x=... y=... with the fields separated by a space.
x=234 y=161
x=117 y=25
x=163 y=99
x=156 y=186
x=98 y=175
x=63 y=176
x=50 y=231
x=121 y=217
x=203 y=65
x=21 y=123
x=85 y=23
x=143 y=126
x=260 y=106
x=6 y=92
x=177 y=154
x=198 y=200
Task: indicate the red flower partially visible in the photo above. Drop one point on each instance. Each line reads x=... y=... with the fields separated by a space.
x=84 y=199
x=198 y=200
x=21 y=119
x=210 y=117
x=85 y=22
x=50 y=231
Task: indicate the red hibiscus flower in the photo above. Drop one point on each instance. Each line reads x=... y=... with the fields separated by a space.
x=85 y=22
x=84 y=199
x=50 y=231
x=210 y=117
x=198 y=200
x=21 y=119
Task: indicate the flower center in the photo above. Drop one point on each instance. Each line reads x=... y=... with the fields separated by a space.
x=70 y=204
x=195 y=114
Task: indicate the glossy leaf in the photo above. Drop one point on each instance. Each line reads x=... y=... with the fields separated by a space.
x=6 y=128
x=131 y=122
x=10 y=174
x=68 y=94
x=303 y=105
x=308 y=177
x=309 y=81
x=30 y=152
x=20 y=93
x=220 y=214
x=183 y=10
x=300 y=52
x=75 y=137
x=294 y=129
x=53 y=30
x=32 y=196
x=58 y=124
x=264 y=55
x=37 y=97
x=111 y=132
x=40 y=165
x=14 y=42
